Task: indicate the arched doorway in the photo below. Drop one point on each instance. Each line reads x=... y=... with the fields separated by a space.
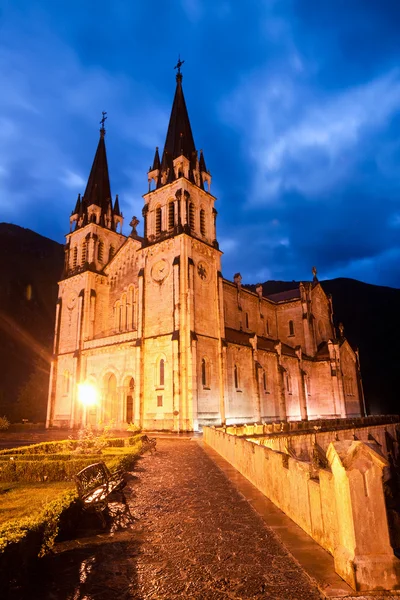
x=130 y=388
x=110 y=398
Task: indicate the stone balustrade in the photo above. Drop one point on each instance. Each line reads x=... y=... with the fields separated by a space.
x=341 y=507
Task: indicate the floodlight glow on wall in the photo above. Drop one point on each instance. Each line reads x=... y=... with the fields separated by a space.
x=87 y=394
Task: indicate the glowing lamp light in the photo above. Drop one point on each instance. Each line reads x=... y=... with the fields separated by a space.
x=87 y=394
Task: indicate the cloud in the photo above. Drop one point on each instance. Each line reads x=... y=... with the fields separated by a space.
x=73 y=180
x=50 y=106
x=300 y=139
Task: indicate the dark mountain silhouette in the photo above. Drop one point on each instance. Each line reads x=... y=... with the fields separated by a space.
x=31 y=266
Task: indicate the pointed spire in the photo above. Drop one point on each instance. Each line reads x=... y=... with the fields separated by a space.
x=179 y=144
x=98 y=189
x=179 y=138
x=77 y=206
x=117 y=211
x=202 y=163
x=95 y=206
x=156 y=161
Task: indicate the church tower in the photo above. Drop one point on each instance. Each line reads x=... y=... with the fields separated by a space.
x=92 y=242
x=182 y=328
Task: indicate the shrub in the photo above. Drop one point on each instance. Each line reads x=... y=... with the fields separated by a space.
x=24 y=540
x=42 y=448
x=133 y=428
x=115 y=443
x=4 y=423
x=133 y=440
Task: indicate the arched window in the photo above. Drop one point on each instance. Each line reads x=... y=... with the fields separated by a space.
x=111 y=252
x=75 y=257
x=158 y=220
x=202 y=222
x=191 y=215
x=247 y=320
x=236 y=376
x=203 y=372
x=171 y=216
x=265 y=386
x=288 y=382
x=84 y=252
x=117 y=316
x=100 y=251
x=124 y=313
x=161 y=372
x=291 y=328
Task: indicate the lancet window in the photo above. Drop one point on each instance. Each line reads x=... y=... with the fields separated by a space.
x=191 y=215
x=202 y=221
x=236 y=376
x=171 y=216
x=205 y=373
x=158 y=220
x=100 y=251
x=84 y=252
x=161 y=372
x=75 y=257
x=291 y=328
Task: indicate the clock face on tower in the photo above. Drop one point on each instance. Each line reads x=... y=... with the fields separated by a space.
x=160 y=270
x=202 y=270
x=72 y=298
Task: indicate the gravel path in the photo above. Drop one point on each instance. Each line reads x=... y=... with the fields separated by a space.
x=194 y=537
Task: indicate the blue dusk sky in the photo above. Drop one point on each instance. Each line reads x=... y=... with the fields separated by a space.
x=295 y=103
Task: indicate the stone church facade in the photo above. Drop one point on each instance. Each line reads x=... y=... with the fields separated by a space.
x=166 y=341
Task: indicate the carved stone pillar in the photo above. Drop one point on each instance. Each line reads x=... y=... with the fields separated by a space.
x=364 y=557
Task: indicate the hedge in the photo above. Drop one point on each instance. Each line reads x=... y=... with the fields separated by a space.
x=22 y=541
x=63 y=446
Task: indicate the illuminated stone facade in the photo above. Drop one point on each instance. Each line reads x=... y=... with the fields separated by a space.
x=166 y=340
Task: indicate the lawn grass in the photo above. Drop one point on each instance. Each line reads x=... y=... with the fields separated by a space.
x=20 y=500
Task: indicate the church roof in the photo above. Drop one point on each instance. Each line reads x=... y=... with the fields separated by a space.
x=98 y=189
x=242 y=338
x=293 y=294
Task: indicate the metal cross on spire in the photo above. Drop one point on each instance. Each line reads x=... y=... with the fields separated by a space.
x=103 y=120
x=179 y=64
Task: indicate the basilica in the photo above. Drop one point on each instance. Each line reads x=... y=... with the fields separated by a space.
x=161 y=337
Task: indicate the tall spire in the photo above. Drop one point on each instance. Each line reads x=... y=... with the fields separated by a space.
x=179 y=143
x=179 y=138
x=98 y=189
x=96 y=203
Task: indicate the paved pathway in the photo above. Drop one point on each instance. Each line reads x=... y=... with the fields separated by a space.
x=194 y=537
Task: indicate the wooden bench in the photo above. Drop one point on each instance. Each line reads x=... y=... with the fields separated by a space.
x=148 y=443
x=95 y=484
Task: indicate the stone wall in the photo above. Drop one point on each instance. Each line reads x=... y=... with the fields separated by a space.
x=342 y=506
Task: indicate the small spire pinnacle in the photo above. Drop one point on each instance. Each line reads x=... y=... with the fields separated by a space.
x=103 y=120
x=314 y=272
x=178 y=66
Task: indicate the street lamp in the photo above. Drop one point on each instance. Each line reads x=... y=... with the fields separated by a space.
x=87 y=394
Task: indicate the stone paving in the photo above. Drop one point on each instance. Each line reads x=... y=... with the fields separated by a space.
x=193 y=536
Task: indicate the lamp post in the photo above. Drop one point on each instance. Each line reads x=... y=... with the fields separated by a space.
x=87 y=394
